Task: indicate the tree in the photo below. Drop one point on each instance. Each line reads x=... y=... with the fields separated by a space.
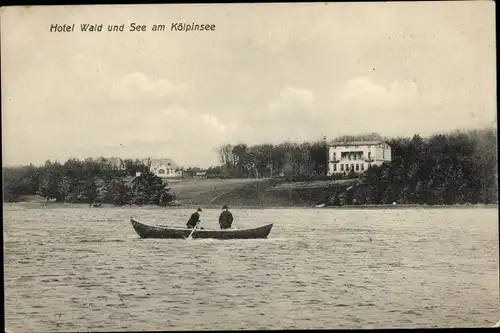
x=116 y=192
x=226 y=155
x=319 y=158
x=12 y=190
x=64 y=188
x=50 y=177
x=132 y=167
x=239 y=154
x=150 y=189
x=89 y=191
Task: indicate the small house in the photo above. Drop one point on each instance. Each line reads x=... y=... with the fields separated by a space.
x=163 y=167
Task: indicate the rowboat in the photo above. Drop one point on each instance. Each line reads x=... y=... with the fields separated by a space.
x=145 y=230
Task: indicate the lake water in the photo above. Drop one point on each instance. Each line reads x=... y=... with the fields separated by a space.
x=75 y=269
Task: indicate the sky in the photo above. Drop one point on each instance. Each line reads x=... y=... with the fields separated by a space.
x=268 y=73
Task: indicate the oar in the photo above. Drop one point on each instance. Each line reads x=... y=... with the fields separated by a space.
x=196 y=226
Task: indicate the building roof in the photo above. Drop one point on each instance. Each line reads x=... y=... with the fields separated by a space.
x=356 y=143
x=156 y=162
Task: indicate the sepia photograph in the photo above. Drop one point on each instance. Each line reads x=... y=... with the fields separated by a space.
x=328 y=165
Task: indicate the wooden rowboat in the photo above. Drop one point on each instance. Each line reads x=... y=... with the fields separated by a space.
x=145 y=230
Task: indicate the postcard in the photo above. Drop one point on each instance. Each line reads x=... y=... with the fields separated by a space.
x=250 y=166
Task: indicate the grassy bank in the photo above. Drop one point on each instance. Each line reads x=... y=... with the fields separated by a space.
x=264 y=192
x=207 y=191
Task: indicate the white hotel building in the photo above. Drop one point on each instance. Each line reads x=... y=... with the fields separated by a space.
x=357 y=156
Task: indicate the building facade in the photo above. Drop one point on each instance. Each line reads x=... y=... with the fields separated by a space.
x=163 y=167
x=357 y=156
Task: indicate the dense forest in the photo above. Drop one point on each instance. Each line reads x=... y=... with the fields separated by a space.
x=453 y=168
x=88 y=181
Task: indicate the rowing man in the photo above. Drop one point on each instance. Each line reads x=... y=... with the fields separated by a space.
x=225 y=218
x=194 y=219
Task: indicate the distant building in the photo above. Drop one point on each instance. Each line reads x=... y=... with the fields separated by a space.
x=357 y=156
x=201 y=174
x=163 y=167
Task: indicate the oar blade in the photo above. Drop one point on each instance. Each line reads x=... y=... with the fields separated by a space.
x=191 y=234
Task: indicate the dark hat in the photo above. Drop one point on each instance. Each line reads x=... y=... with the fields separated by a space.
x=199 y=210
x=224 y=207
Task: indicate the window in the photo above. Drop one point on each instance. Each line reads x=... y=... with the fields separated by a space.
x=335 y=167
x=357 y=167
x=362 y=166
x=383 y=154
x=334 y=156
x=341 y=167
x=369 y=155
x=352 y=167
x=161 y=171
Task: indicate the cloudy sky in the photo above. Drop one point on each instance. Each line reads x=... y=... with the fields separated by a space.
x=268 y=73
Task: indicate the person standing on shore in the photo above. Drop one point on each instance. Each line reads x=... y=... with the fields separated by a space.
x=225 y=218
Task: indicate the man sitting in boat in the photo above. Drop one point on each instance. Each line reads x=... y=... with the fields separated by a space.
x=194 y=219
x=225 y=218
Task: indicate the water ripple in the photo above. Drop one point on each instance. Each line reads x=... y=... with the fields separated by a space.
x=364 y=269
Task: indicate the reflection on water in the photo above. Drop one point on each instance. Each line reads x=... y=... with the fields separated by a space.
x=87 y=270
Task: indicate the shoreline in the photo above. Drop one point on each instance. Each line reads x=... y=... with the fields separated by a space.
x=38 y=205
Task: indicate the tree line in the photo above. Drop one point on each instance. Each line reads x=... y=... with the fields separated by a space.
x=88 y=181
x=452 y=168
x=266 y=160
